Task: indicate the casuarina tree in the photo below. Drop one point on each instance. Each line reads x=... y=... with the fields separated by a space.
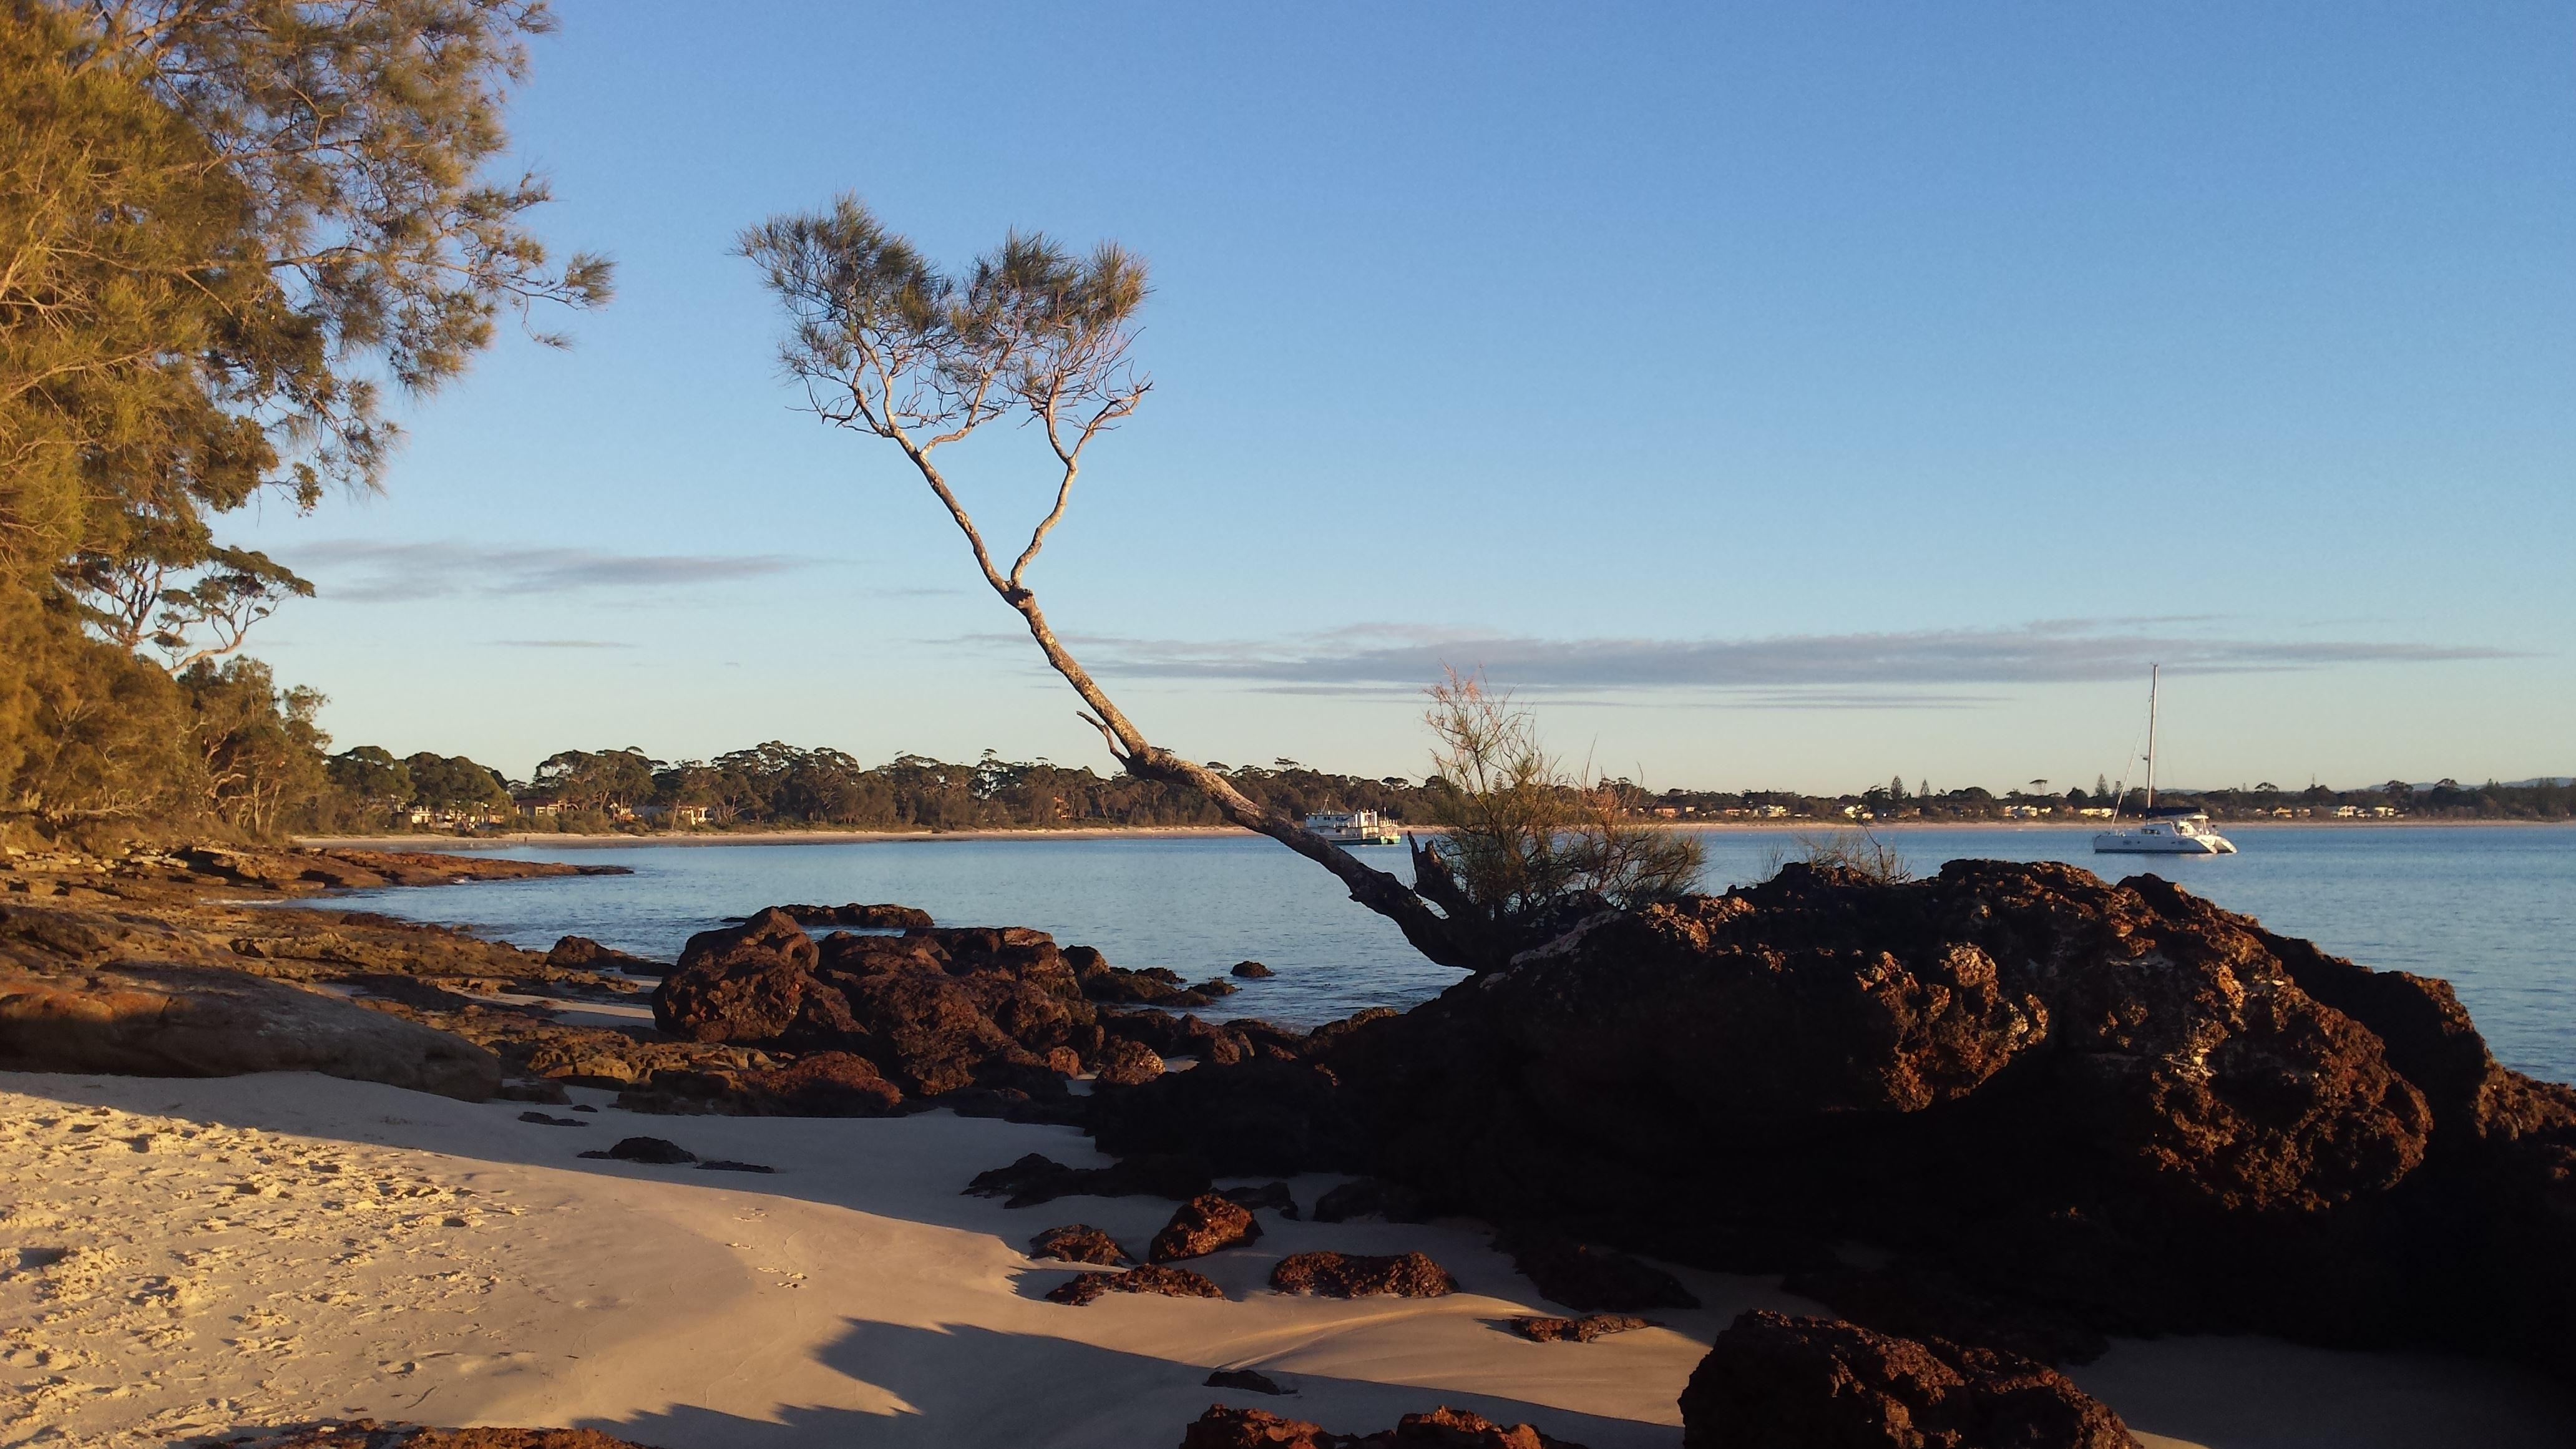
x=887 y=344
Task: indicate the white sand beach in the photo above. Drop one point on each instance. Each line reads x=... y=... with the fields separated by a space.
x=182 y=1257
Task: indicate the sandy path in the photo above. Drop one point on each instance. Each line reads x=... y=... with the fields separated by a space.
x=288 y=1246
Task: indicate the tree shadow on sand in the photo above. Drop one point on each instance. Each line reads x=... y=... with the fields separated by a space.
x=964 y=1386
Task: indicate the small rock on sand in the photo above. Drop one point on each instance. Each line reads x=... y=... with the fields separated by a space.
x=1082 y=1288
x=1078 y=1243
x=1360 y=1275
x=654 y=1150
x=1205 y=1224
x=1251 y=1379
x=1577 y=1330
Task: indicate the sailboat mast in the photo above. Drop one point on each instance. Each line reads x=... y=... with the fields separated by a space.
x=2153 y=671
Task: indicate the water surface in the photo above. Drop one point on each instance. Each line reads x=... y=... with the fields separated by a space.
x=2492 y=909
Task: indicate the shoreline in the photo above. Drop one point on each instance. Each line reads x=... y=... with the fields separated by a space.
x=571 y=840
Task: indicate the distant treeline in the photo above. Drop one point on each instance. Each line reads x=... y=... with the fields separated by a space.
x=777 y=785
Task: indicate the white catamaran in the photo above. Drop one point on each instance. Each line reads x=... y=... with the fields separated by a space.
x=2166 y=832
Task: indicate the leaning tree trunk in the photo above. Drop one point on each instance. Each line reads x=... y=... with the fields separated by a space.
x=1438 y=937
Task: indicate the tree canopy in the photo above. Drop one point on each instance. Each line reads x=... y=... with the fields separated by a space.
x=229 y=229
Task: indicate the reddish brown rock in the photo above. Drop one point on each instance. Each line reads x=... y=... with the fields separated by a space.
x=1208 y=1223
x=742 y=983
x=1083 y=1288
x=1774 y=1380
x=1078 y=1243
x=1361 y=1275
x=1127 y=1063
x=1577 y=1330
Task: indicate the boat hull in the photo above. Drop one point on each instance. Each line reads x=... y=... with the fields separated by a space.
x=2113 y=844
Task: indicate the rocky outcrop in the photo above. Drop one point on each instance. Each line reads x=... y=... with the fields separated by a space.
x=2108 y=1106
x=1085 y=1288
x=882 y=917
x=936 y=1010
x=1126 y=1063
x=184 y=1022
x=1252 y=971
x=1444 y=1428
x=1774 y=1380
x=1208 y=1223
x=1362 y=1275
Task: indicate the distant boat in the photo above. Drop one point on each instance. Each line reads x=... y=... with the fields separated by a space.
x=1353 y=827
x=2161 y=832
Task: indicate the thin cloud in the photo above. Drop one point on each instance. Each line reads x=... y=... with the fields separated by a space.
x=1917 y=668
x=370 y=572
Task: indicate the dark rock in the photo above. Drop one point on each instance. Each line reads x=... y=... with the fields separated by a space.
x=1256 y=1117
x=539 y=1090
x=1205 y=1224
x=727 y=1164
x=1252 y=970
x=1125 y=1062
x=1578 y=1330
x=1369 y=1197
x=1214 y=987
x=1272 y=1195
x=1083 y=1288
x=580 y=953
x=542 y=1120
x=417 y=868
x=654 y=1150
x=1360 y=1275
x=2111 y=1106
x=584 y=1107
x=884 y=917
x=1584 y=1277
x=1251 y=1380
x=1775 y=1380
x=1444 y=1428
x=743 y=983
x=1078 y=1243
x=1035 y=1179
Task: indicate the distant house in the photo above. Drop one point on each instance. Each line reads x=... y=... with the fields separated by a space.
x=538 y=805
x=676 y=816
x=2098 y=812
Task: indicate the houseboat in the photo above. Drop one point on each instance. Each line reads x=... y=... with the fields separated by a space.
x=1354 y=827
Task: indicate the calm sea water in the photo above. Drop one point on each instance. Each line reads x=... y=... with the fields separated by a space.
x=2491 y=909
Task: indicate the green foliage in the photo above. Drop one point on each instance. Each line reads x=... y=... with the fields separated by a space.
x=1523 y=841
x=227 y=229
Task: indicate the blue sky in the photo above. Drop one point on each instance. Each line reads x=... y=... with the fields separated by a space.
x=1771 y=395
